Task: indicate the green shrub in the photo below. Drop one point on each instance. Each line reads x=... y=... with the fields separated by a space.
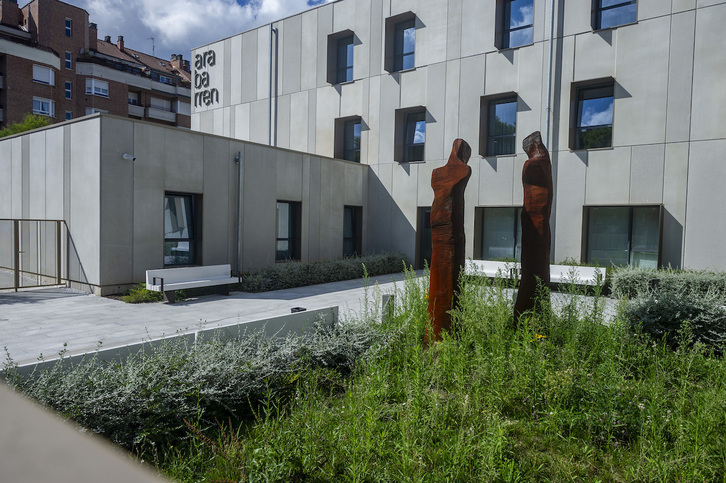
x=664 y=315
x=146 y=398
x=140 y=294
x=300 y=274
x=635 y=282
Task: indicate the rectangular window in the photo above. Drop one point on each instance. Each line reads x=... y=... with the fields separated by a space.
x=611 y=13
x=623 y=235
x=345 y=59
x=69 y=60
x=69 y=115
x=517 y=22
x=352 y=231
x=498 y=233
x=97 y=87
x=166 y=80
x=161 y=104
x=43 y=107
x=352 y=141
x=287 y=245
x=414 y=140
x=69 y=27
x=180 y=244
x=69 y=90
x=94 y=110
x=405 y=45
x=43 y=75
x=134 y=98
x=594 y=122
x=499 y=130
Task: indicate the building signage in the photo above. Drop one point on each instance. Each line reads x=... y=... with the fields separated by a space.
x=204 y=96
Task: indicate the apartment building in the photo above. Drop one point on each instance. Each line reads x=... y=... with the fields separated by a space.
x=53 y=64
x=628 y=95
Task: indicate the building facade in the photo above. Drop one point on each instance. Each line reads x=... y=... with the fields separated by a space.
x=628 y=95
x=52 y=64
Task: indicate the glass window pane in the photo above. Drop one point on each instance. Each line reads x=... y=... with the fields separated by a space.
x=518 y=21
x=607 y=235
x=646 y=233
x=596 y=112
x=501 y=238
x=616 y=12
x=283 y=220
x=405 y=45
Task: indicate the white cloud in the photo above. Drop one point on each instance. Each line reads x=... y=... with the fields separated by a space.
x=598 y=115
x=177 y=26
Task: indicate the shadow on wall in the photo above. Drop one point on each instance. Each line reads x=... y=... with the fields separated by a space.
x=672 y=236
x=390 y=230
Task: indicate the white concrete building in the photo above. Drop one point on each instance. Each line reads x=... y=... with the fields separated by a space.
x=630 y=94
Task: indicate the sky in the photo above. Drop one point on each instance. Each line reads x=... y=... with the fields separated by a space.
x=177 y=26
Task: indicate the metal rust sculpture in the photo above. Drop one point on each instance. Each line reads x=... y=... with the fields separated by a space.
x=537 y=182
x=447 y=236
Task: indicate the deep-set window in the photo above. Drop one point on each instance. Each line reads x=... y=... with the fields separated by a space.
x=410 y=135
x=180 y=246
x=424 y=243
x=611 y=13
x=97 y=87
x=43 y=107
x=43 y=75
x=69 y=60
x=345 y=59
x=594 y=117
x=499 y=131
x=517 y=20
x=287 y=244
x=400 y=42
x=352 y=231
x=69 y=27
x=68 y=90
x=351 y=141
x=498 y=234
x=623 y=235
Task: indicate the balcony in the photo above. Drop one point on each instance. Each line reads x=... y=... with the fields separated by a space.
x=136 y=111
x=160 y=114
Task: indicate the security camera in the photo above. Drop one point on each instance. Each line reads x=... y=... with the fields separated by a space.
x=129 y=157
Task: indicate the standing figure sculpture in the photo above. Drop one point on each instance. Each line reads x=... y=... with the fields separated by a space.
x=448 y=239
x=537 y=182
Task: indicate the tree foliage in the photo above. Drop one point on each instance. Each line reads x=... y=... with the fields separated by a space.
x=30 y=121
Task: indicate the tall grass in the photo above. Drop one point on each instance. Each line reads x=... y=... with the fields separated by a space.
x=566 y=397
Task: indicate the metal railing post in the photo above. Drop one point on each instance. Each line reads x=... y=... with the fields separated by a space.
x=16 y=255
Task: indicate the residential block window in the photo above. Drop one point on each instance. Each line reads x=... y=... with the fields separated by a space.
x=611 y=13
x=161 y=104
x=97 y=87
x=69 y=115
x=94 y=110
x=410 y=134
x=43 y=107
x=166 y=80
x=43 y=75
x=352 y=231
x=400 y=42
x=516 y=21
x=498 y=233
x=68 y=90
x=348 y=138
x=288 y=222
x=69 y=27
x=180 y=241
x=498 y=131
x=69 y=60
x=623 y=235
x=134 y=98
x=594 y=117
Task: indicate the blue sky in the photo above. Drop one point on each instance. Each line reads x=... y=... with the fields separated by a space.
x=177 y=26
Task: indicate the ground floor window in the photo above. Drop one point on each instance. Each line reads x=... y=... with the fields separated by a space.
x=424 y=244
x=287 y=245
x=623 y=235
x=352 y=231
x=498 y=233
x=180 y=245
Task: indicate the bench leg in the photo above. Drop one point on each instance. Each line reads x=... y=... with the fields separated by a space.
x=169 y=296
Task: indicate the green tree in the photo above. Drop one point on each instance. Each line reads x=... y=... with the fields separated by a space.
x=30 y=121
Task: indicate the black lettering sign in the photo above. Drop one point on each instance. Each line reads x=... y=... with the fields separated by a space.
x=204 y=96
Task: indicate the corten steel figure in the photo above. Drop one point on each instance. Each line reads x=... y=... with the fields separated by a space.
x=537 y=181
x=447 y=236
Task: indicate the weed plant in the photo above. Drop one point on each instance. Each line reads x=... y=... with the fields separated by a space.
x=140 y=295
x=637 y=282
x=566 y=397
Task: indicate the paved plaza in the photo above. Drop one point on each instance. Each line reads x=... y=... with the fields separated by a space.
x=41 y=321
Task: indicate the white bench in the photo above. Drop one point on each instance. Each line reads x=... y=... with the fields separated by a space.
x=558 y=273
x=167 y=280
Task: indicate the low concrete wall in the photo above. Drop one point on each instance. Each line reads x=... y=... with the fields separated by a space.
x=280 y=326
